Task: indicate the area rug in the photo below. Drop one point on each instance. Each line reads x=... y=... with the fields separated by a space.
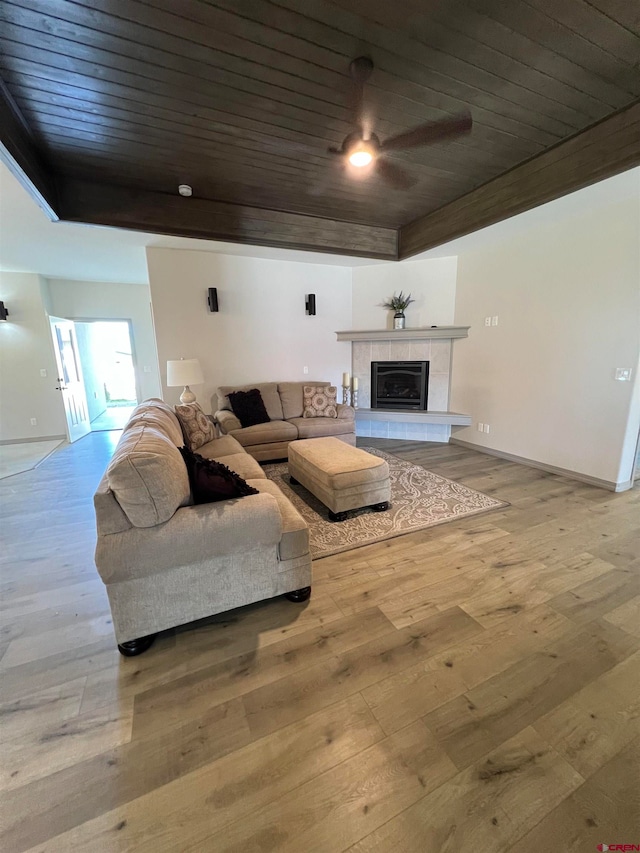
x=419 y=499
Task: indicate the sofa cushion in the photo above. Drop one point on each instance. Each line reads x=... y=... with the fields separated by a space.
x=266 y=433
x=320 y=401
x=157 y=413
x=226 y=445
x=248 y=407
x=291 y=396
x=244 y=465
x=213 y=481
x=148 y=476
x=268 y=391
x=196 y=426
x=319 y=427
x=295 y=532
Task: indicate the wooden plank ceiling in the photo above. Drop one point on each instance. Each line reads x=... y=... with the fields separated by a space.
x=110 y=105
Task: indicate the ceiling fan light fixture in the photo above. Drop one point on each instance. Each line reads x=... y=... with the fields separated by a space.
x=360 y=157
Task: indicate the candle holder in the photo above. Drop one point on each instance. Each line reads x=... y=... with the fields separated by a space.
x=345 y=394
x=354 y=398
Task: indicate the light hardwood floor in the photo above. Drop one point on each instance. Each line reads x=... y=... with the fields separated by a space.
x=472 y=687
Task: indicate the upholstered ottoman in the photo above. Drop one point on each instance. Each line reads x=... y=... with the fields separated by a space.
x=341 y=476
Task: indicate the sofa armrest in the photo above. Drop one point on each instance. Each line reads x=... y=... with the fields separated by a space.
x=346 y=413
x=227 y=421
x=192 y=534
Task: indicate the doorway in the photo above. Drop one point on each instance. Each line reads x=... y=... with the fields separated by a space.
x=106 y=353
x=70 y=379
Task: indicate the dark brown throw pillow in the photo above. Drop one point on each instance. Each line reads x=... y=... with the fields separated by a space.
x=248 y=407
x=212 y=481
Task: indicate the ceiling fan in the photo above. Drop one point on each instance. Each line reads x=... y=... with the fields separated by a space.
x=362 y=150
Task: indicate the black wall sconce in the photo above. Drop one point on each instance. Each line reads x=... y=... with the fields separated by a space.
x=310 y=304
x=212 y=300
x=3 y=312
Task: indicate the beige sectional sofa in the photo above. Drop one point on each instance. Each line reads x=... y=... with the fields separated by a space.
x=284 y=404
x=166 y=562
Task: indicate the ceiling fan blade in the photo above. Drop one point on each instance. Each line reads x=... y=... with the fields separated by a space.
x=434 y=131
x=394 y=175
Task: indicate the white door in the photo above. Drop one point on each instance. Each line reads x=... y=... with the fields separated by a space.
x=70 y=382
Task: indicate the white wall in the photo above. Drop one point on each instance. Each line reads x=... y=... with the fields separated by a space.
x=567 y=295
x=91 y=300
x=26 y=347
x=431 y=282
x=261 y=332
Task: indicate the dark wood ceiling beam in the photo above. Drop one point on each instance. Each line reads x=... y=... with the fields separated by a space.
x=502 y=40
x=624 y=13
x=193 y=217
x=580 y=17
x=327 y=119
x=213 y=29
x=247 y=186
x=520 y=115
x=22 y=157
x=235 y=189
x=541 y=28
x=299 y=142
x=470 y=53
x=440 y=71
x=216 y=159
x=209 y=146
x=603 y=150
x=442 y=164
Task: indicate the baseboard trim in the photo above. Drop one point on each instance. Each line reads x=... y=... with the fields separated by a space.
x=610 y=485
x=33 y=440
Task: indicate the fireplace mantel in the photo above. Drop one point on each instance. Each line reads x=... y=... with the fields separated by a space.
x=419 y=334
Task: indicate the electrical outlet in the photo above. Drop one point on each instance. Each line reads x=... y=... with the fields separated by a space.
x=486 y=427
x=305 y=369
x=34 y=422
x=480 y=427
x=487 y=321
x=43 y=372
x=494 y=320
x=623 y=374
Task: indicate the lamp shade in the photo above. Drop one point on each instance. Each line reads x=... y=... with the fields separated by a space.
x=185 y=371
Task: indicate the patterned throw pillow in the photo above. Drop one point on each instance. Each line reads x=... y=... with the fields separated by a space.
x=197 y=429
x=320 y=401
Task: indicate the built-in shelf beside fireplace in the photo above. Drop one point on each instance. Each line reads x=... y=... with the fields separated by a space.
x=428 y=344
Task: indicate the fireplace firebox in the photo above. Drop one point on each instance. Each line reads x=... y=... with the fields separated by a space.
x=399 y=385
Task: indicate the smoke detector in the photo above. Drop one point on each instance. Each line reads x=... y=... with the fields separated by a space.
x=185 y=190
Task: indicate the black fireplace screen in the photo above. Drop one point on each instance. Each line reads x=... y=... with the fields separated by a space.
x=399 y=384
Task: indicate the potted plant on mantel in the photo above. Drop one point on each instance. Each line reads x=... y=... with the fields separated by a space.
x=399 y=304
